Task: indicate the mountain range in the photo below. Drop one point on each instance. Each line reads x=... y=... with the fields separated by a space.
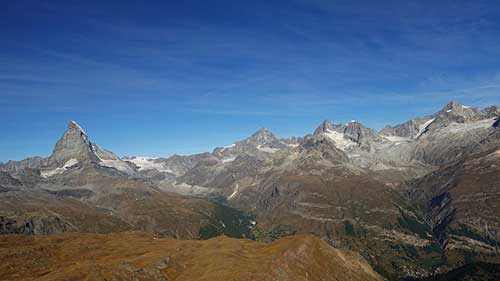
x=416 y=200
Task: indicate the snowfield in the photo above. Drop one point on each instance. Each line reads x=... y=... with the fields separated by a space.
x=267 y=149
x=340 y=142
x=67 y=165
x=148 y=163
x=423 y=127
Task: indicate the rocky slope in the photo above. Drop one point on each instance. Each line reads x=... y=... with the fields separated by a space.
x=141 y=256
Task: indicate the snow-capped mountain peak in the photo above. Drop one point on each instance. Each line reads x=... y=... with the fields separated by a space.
x=74 y=125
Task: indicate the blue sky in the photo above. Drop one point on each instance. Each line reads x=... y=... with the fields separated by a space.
x=167 y=77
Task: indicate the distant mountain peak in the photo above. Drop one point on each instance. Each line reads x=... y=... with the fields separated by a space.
x=262 y=136
x=262 y=131
x=456 y=108
x=327 y=125
x=73 y=125
x=74 y=144
x=358 y=133
x=352 y=134
x=75 y=147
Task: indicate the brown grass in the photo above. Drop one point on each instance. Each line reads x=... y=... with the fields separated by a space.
x=141 y=256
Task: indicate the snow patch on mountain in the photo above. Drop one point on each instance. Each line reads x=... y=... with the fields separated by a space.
x=422 y=128
x=78 y=126
x=148 y=163
x=228 y=160
x=117 y=164
x=267 y=149
x=396 y=138
x=467 y=127
x=67 y=165
x=227 y=147
x=107 y=159
x=339 y=140
x=235 y=191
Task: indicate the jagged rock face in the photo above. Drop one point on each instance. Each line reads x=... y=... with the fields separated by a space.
x=452 y=113
x=324 y=127
x=408 y=129
x=74 y=144
x=359 y=133
x=445 y=144
x=262 y=143
x=349 y=137
x=441 y=138
x=317 y=149
x=456 y=113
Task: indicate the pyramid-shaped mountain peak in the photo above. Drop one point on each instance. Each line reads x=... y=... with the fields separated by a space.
x=74 y=144
x=456 y=107
x=73 y=125
x=262 y=136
